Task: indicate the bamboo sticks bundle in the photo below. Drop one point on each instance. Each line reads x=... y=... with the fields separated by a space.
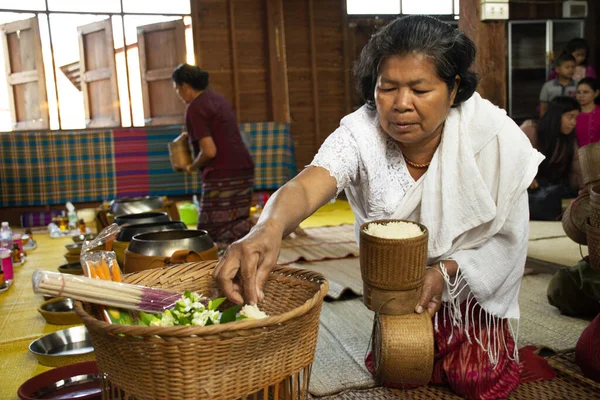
x=104 y=292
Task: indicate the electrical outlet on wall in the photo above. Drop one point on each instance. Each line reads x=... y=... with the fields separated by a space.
x=494 y=11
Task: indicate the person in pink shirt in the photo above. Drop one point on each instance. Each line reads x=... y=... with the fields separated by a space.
x=588 y=121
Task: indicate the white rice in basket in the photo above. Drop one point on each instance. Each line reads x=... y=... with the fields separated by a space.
x=394 y=230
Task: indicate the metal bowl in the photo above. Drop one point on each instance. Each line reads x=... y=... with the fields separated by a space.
x=63 y=347
x=135 y=205
x=142 y=218
x=59 y=311
x=127 y=232
x=82 y=237
x=73 y=269
x=75 y=248
x=164 y=244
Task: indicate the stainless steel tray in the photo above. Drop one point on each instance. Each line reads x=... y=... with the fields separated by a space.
x=63 y=347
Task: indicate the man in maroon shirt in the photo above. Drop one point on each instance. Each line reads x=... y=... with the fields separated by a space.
x=226 y=165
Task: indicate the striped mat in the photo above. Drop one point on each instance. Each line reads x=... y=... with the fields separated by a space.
x=41 y=168
x=329 y=242
x=47 y=168
x=143 y=167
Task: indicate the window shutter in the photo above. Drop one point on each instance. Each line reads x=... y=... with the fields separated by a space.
x=161 y=48
x=24 y=65
x=99 y=75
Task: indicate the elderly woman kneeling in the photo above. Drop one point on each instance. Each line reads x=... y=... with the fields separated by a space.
x=425 y=147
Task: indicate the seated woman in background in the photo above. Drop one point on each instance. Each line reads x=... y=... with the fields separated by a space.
x=559 y=175
x=220 y=154
x=588 y=121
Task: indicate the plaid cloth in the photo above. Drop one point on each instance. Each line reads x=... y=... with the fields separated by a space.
x=47 y=168
x=163 y=180
x=272 y=150
x=42 y=168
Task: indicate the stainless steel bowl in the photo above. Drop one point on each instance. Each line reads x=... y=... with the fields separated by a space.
x=142 y=218
x=63 y=347
x=59 y=311
x=164 y=244
x=59 y=305
x=135 y=205
x=129 y=231
x=73 y=269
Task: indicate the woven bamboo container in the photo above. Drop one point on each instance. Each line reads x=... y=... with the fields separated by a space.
x=589 y=158
x=179 y=152
x=392 y=270
x=574 y=217
x=271 y=356
x=403 y=349
x=593 y=238
x=595 y=206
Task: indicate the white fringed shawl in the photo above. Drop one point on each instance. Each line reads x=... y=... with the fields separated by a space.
x=473 y=200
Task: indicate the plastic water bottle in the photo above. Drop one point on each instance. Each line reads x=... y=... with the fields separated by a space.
x=72 y=214
x=6 y=236
x=196 y=202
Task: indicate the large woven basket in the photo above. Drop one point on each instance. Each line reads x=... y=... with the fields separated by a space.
x=271 y=356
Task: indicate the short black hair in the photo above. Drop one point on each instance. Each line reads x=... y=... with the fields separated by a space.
x=563 y=58
x=190 y=74
x=591 y=82
x=578 y=44
x=451 y=51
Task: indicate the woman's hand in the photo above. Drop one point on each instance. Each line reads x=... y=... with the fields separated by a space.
x=242 y=272
x=433 y=287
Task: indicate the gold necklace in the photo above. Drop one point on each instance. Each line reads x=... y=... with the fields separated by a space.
x=416 y=165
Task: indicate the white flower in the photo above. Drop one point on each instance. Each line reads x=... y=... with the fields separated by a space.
x=167 y=320
x=252 y=312
x=215 y=316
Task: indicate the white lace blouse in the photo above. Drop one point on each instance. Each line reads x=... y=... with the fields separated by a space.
x=380 y=193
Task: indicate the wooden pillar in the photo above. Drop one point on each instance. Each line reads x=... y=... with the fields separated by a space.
x=278 y=83
x=195 y=11
x=490 y=39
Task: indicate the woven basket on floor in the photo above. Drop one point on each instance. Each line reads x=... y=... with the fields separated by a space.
x=589 y=159
x=595 y=206
x=574 y=217
x=403 y=349
x=593 y=239
x=392 y=270
x=226 y=361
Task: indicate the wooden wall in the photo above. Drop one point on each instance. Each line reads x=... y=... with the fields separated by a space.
x=318 y=76
x=230 y=42
x=238 y=43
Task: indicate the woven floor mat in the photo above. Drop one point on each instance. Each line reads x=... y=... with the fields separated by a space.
x=541 y=324
x=569 y=384
x=319 y=244
x=346 y=329
x=343 y=275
